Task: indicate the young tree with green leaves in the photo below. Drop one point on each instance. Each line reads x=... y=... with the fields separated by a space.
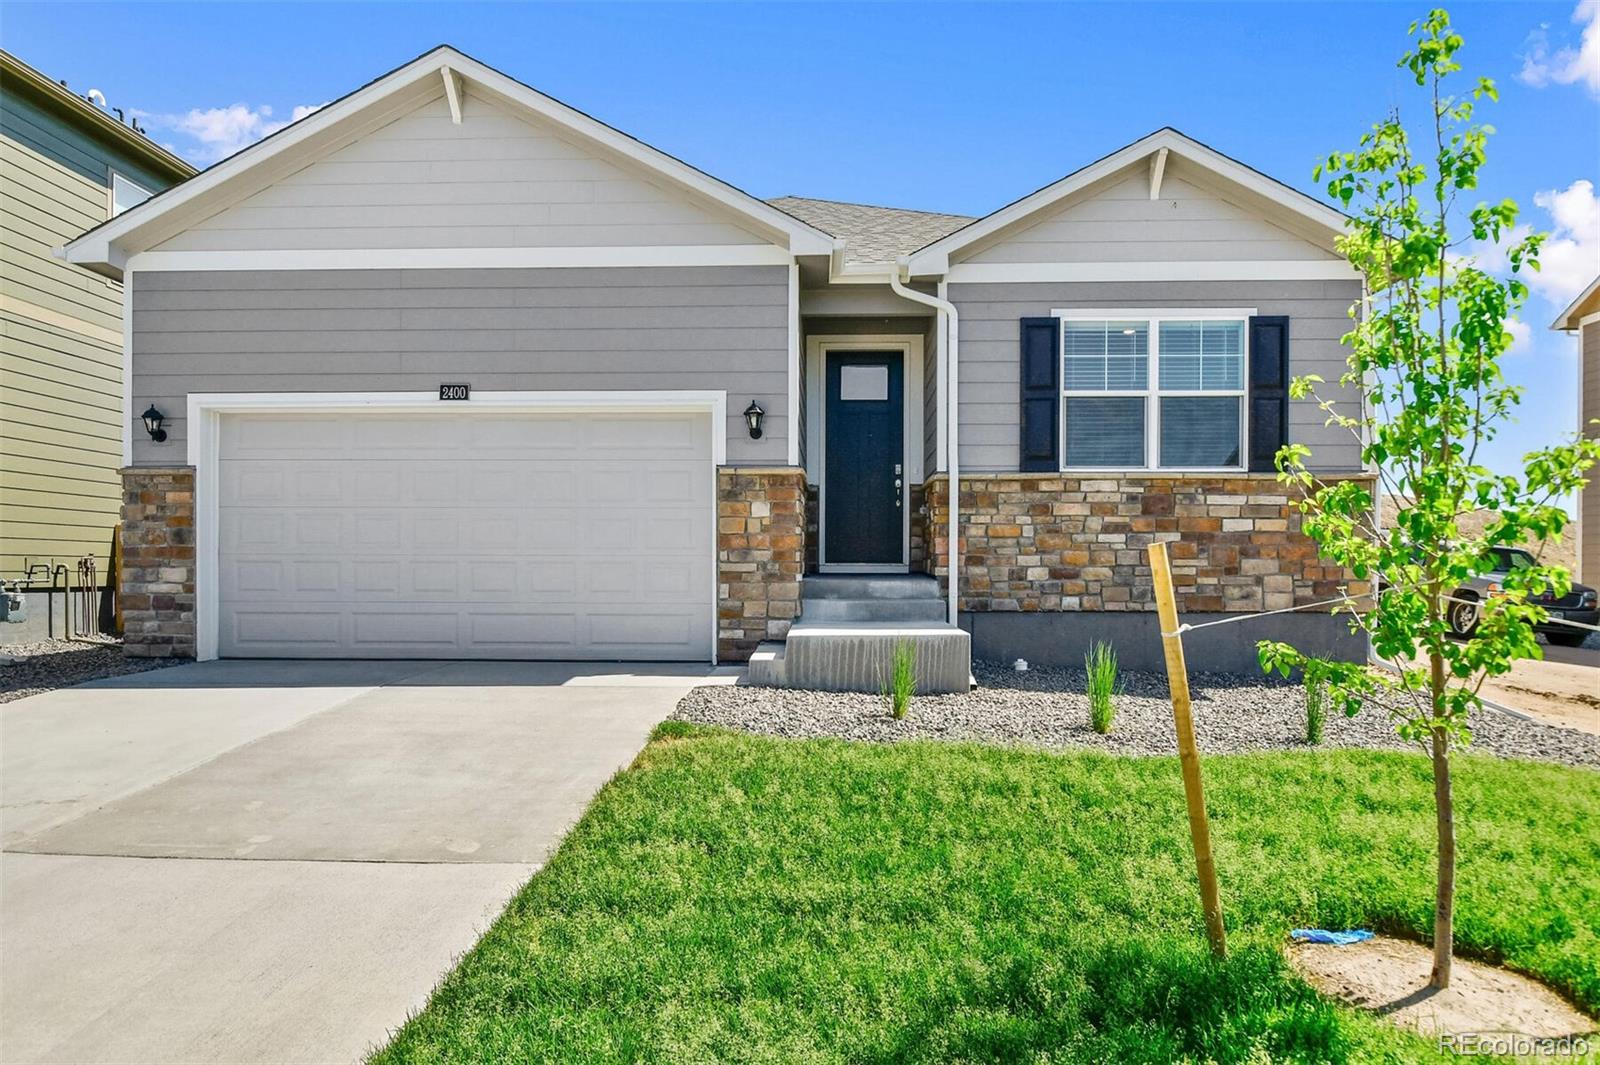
x=1426 y=351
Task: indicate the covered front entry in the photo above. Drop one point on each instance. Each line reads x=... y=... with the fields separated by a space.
x=484 y=534
x=863 y=495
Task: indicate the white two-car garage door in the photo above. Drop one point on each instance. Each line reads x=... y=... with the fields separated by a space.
x=465 y=535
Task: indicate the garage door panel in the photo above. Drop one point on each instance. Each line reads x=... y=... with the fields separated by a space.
x=283 y=630
x=635 y=632
x=475 y=536
x=550 y=633
x=408 y=629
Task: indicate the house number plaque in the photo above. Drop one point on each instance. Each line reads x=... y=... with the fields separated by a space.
x=455 y=391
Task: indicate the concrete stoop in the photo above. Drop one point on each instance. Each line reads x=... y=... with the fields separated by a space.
x=849 y=628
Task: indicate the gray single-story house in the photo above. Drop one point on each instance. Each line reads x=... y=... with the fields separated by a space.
x=451 y=369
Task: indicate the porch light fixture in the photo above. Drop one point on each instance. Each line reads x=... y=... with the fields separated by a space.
x=752 y=417
x=152 y=424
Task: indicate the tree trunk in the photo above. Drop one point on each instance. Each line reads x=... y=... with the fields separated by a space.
x=1444 y=896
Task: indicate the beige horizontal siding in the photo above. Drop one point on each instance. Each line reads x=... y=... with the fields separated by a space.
x=60 y=372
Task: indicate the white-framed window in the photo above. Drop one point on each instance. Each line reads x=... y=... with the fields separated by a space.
x=1154 y=389
x=126 y=193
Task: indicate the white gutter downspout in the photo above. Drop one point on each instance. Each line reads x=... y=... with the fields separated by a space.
x=953 y=536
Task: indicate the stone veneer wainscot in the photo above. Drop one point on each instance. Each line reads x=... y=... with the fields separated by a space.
x=1047 y=542
x=157 y=579
x=761 y=553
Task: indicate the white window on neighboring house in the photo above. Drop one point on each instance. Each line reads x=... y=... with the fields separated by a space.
x=126 y=193
x=1142 y=391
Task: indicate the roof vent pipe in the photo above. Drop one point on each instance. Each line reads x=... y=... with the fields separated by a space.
x=952 y=451
x=96 y=97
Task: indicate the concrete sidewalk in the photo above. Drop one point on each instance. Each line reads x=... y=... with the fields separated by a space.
x=276 y=862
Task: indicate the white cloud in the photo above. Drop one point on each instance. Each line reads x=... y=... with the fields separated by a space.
x=217 y=132
x=1569 y=259
x=1521 y=336
x=1566 y=65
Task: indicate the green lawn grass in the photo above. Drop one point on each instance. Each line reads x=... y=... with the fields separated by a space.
x=733 y=898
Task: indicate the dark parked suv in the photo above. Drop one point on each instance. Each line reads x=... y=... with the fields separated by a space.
x=1577 y=605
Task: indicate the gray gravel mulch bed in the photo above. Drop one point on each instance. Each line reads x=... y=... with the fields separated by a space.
x=30 y=668
x=1047 y=708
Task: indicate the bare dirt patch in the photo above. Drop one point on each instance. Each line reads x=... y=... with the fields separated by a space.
x=1563 y=689
x=1390 y=977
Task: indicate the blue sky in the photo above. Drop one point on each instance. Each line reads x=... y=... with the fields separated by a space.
x=949 y=107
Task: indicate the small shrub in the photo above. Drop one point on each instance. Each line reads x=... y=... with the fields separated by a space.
x=1315 y=679
x=1101 y=666
x=901 y=683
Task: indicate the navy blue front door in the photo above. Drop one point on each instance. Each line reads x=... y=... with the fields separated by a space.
x=865 y=446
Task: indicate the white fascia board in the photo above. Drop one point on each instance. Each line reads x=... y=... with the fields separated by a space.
x=466 y=258
x=1564 y=321
x=1220 y=270
x=100 y=245
x=935 y=258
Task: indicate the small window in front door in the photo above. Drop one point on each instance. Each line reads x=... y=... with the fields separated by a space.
x=864 y=383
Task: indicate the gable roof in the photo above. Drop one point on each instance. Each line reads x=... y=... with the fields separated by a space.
x=1587 y=303
x=1314 y=216
x=873 y=234
x=108 y=246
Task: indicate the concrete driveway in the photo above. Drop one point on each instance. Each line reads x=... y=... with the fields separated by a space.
x=277 y=861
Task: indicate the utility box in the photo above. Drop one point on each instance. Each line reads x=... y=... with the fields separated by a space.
x=13 y=607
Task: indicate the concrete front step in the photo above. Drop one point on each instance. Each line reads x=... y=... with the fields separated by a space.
x=856 y=656
x=869 y=586
x=851 y=610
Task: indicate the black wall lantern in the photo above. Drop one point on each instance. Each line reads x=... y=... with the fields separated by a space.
x=152 y=424
x=752 y=417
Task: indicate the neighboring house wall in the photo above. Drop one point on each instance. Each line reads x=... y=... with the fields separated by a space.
x=1117 y=221
x=60 y=336
x=990 y=364
x=1589 y=549
x=495 y=329
x=496 y=180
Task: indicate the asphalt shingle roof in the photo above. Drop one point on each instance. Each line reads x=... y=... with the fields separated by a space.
x=872 y=234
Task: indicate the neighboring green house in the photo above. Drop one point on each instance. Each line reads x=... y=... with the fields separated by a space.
x=66 y=165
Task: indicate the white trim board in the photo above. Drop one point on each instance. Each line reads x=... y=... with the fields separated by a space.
x=910 y=347
x=127 y=367
x=205 y=411
x=1169 y=270
x=792 y=405
x=465 y=258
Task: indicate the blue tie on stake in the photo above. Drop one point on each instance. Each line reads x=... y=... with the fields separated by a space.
x=1322 y=935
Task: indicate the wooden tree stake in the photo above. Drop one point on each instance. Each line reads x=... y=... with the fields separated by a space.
x=1193 y=787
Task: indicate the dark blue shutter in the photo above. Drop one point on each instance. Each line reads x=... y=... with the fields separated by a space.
x=1269 y=389
x=1041 y=394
